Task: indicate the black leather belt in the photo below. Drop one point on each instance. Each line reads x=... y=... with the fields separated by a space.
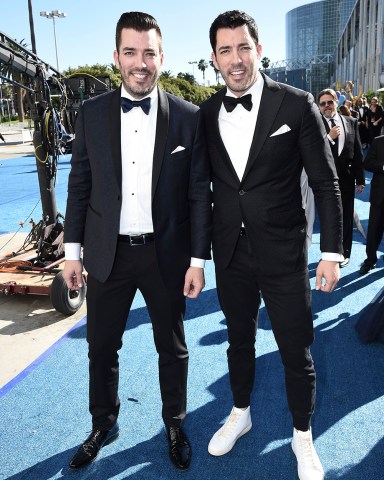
x=243 y=232
x=137 y=240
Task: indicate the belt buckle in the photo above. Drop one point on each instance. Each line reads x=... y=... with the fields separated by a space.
x=137 y=240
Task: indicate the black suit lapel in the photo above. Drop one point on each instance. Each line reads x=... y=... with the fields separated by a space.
x=270 y=102
x=115 y=131
x=213 y=120
x=162 y=125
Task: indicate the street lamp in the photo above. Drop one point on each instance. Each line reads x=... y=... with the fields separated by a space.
x=53 y=14
x=193 y=67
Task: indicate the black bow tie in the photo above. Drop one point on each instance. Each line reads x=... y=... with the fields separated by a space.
x=231 y=102
x=127 y=104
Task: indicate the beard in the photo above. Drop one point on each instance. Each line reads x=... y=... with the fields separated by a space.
x=139 y=89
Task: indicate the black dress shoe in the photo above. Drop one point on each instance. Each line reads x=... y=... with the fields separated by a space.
x=88 y=451
x=179 y=448
x=366 y=267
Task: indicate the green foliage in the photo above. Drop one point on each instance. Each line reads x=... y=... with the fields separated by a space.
x=182 y=88
x=187 y=76
x=96 y=71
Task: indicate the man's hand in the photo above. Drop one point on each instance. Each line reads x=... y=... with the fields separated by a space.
x=73 y=274
x=359 y=188
x=330 y=271
x=194 y=282
x=334 y=132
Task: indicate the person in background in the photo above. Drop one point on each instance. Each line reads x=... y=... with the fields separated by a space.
x=350 y=107
x=344 y=139
x=362 y=109
x=374 y=119
x=344 y=110
x=139 y=202
x=374 y=162
x=260 y=134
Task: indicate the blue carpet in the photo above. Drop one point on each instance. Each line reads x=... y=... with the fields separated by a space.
x=45 y=417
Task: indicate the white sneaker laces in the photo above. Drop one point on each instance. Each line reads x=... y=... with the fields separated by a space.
x=307 y=451
x=227 y=429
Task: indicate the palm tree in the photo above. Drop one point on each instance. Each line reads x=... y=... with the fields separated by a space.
x=265 y=61
x=166 y=74
x=217 y=72
x=187 y=76
x=202 y=65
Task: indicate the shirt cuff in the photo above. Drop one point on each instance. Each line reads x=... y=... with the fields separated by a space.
x=197 y=262
x=330 y=139
x=72 y=251
x=332 y=257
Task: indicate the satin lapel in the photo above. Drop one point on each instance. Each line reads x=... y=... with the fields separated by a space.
x=115 y=133
x=162 y=126
x=346 y=125
x=271 y=99
x=213 y=120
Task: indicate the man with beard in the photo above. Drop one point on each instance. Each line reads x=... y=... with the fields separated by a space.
x=139 y=203
x=260 y=134
x=344 y=138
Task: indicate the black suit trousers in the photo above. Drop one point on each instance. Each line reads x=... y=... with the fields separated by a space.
x=108 y=305
x=288 y=302
x=375 y=231
x=348 y=201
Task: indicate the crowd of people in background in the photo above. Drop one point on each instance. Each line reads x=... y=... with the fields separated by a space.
x=367 y=154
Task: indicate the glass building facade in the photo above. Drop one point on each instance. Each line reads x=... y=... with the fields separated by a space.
x=312 y=35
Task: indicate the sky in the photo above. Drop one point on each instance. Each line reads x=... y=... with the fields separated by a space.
x=86 y=36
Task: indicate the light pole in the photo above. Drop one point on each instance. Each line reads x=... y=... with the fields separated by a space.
x=193 y=67
x=53 y=14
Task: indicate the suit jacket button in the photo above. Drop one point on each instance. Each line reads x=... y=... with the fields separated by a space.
x=242 y=192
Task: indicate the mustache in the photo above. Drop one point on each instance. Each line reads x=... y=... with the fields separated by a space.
x=140 y=70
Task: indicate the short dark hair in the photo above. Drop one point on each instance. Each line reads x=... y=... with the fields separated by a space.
x=232 y=19
x=139 y=21
x=327 y=91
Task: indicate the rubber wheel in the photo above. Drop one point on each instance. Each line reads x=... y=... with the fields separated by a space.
x=64 y=300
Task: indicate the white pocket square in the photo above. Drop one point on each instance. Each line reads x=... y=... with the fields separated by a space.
x=178 y=149
x=282 y=129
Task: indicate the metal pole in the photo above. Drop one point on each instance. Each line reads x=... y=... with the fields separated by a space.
x=54 y=34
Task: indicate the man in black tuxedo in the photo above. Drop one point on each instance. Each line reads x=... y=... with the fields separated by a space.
x=374 y=162
x=361 y=109
x=139 y=203
x=260 y=134
x=344 y=138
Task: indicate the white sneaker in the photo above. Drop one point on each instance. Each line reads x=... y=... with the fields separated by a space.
x=238 y=423
x=308 y=462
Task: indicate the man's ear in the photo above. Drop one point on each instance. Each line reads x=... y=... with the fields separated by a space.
x=213 y=56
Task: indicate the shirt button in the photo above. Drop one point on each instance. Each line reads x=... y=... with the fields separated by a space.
x=242 y=192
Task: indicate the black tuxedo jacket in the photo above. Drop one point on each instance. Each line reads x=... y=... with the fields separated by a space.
x=181 y=202
x=268 y=198
x=374 y=162
x=349 y=164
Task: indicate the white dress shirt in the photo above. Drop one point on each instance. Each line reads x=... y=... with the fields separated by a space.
x=237 y=129
x=138 y=132
x=341 y=137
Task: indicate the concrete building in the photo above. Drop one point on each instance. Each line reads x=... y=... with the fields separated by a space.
x=360 y=53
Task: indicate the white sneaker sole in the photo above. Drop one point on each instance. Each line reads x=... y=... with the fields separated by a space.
x=218 y=453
